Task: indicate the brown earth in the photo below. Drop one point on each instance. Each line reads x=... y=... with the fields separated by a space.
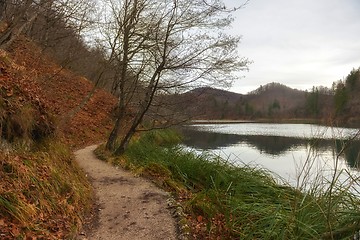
x=128 y=207
x=59 y=91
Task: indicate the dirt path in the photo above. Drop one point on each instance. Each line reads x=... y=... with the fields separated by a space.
x=130 y=207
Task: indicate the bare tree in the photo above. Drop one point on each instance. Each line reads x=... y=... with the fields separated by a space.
x=166 y=47
x=60 y=31
x=14 y=12
x=18 y=16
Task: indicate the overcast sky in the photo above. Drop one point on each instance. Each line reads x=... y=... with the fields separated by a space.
x=299 y=43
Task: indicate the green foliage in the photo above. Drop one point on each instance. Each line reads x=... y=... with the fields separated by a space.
x=346 y=97
x=352 y=79
x=249 y=110
x=340 y=98
x=276 y=104
x=274 y=107
x=161 y=138
x=249 y=202
x=312 y=103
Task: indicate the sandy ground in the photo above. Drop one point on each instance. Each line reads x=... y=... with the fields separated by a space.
x=129 y=207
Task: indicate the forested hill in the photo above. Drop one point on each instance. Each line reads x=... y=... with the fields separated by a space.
x=266 y=101
x=340 y=104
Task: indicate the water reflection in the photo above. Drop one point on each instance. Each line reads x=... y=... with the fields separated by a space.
x=351 y=152
x=273 y=145
x=270 y=147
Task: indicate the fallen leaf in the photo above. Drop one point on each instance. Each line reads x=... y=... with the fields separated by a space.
x=10 y=93
x=15 y=231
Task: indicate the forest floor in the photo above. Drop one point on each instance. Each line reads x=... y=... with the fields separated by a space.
x=128 y=207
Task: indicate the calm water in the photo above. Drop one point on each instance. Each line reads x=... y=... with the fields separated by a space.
x=298 y=153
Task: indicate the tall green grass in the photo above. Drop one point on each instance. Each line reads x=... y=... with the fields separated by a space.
x=241 y=202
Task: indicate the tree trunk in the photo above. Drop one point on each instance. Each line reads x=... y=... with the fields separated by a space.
x=151 y=89
x=148 y=34
x=126 y=140
x=110 y=145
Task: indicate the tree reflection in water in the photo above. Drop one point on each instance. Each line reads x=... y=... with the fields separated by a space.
x=271 y=145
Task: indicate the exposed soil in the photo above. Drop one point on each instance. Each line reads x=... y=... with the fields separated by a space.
x=129 y=207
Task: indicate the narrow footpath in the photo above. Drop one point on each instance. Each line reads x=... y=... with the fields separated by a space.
x=129 y=207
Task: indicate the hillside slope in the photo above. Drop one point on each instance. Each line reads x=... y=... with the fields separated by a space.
x=43 y=194
x=61 y=91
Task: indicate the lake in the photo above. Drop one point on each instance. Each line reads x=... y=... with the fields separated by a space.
x=299 y=154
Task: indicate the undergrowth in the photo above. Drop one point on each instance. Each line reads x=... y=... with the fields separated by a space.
x=43 y=194
x=223 y=201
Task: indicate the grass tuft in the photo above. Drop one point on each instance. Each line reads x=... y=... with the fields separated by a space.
x=42 y=193
x=223 y=201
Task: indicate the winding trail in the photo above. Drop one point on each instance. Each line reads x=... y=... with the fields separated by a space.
x=129 y=207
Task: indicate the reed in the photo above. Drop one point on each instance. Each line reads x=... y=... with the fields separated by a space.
x=226 y=201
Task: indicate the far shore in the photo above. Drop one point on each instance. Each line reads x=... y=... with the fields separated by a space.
x=229 y=121
x=221 y=121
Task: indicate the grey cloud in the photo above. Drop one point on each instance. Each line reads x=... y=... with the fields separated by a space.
x=298 y=43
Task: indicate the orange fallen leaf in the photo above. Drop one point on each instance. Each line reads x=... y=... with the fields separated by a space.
x=15 y=231
x=10 y=93
x=199 y=218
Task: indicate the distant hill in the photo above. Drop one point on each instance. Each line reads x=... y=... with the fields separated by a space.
x=277 y=100
x=272 y=100
x=211 y=103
